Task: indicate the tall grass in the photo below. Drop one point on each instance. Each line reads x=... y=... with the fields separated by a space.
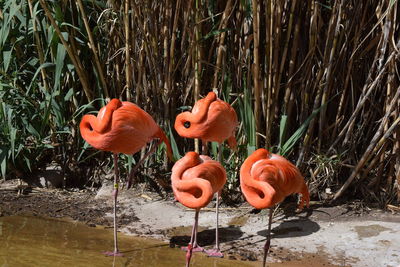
x=310 y=79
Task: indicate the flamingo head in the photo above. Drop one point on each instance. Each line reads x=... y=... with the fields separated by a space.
x=193 y=124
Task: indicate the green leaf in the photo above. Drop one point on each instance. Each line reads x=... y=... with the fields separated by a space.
x=69 y=94
x=282 y=129
x=6 y=59
x=287 y=147
x=13 y=135
x=174 y=146
x=3 y=161
x=44 y=65
x=60 y=58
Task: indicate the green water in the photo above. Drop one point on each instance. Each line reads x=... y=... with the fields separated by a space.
x=33 y=241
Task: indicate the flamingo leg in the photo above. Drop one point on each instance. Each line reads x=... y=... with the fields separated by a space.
x=216 y=252
x=193 y=239
x=268 y=242
x=134 y=169
x=192 y=246
x=115 y=194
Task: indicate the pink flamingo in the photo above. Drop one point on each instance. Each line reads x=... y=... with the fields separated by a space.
x=121 y=127
x=195 y=179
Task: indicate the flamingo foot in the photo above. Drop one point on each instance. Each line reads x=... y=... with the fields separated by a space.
x=215 y=252
x=113 y=253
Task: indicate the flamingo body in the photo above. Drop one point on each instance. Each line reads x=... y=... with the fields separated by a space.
x=195 y=179
x=211 y=120
x=121 y=127
x=266 y=179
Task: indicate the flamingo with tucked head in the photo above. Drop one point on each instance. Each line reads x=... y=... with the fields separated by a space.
x=211 y=120
x=195 y=179
x=267 y=179
x=121 y=127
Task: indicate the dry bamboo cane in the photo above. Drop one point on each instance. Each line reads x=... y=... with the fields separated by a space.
x=197 y=66
x=256 y=67
x=374 y=146
x=221 y=41
x=172 y=64
x=80 y=71
x=328 y=74
x=128 y=65
x=314 y=10
x=93 y=47
x=287 y=40
x=343 y=98
x=289 y=95
x=38 y=46
x=380 y=60
x=273 y=107
x=270 y=74
x=363 y=99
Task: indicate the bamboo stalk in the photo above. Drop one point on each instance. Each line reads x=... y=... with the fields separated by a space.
x=256 y=67
x=270 y=66
x=172 y=63
x=39 y=47
x=289 y=95
x=363 y=99
x=276 y=86
x=376 y=143
x=79 y=69
x=343 y=98
x=328 y=71
x=93 y=47
x=197 y=63
x=128 y=65
x=221 y=40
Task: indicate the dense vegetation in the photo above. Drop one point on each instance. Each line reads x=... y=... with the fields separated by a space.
x=316 y=81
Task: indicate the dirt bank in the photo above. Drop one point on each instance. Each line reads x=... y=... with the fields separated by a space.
x=347 y=235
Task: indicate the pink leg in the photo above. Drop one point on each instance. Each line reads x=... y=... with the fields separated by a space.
x=115 y=194
x=268 y=242
x=216 y=252
x=193 y=239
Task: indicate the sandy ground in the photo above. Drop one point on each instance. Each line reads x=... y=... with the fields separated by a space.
x=344 y=235
x=348 y=235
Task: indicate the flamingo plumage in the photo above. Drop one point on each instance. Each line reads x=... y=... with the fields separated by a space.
x=121 y=127
x=211 y=120
x=267 y=179
x=195 y=179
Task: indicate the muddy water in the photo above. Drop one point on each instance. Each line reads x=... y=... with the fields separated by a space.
x=32 y=241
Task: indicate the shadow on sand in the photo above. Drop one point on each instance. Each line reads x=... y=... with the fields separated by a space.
x=295 y=227
x=207 y=237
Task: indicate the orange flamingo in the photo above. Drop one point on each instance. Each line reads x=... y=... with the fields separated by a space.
x=121 y=127
x=266 y=179
x=211 y=120
x=195 y=179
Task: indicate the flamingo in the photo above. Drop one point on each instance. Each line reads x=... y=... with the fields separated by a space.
x=195 y=179
x=121 y=127
x=267 y=179
x=211 y=120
